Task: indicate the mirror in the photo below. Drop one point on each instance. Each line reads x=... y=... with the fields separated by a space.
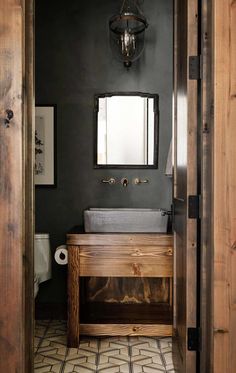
x=126 y=130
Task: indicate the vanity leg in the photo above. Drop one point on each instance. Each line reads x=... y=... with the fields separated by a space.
x=73 y=296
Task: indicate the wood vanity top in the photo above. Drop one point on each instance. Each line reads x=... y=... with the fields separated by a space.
x=120 y=239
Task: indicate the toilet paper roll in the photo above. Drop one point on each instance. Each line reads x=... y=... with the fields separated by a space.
x=61 y=255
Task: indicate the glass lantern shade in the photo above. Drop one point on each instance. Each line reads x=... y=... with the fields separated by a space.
x=127 y=34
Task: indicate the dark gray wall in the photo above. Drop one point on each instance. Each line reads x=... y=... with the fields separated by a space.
x=73 y=62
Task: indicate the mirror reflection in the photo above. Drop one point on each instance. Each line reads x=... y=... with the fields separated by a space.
x=126 y=127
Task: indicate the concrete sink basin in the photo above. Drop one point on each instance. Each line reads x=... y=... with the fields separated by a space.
x=122 y=220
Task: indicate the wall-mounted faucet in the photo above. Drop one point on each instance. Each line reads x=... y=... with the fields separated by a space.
x=124 y=182
x=138 y=181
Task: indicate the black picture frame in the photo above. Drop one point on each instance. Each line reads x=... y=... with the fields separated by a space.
x=155 y=96
x=54 y=126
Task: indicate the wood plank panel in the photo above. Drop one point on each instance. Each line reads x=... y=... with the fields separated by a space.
x=126 y=261
x=224 y=188
x=120 y=239
x=139 y=267
x=73 y=296
x=152 y=330
x=121 y=290
x=125 y=252
x=13 y=350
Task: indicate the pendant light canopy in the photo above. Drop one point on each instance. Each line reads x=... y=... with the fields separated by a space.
x=127 y=32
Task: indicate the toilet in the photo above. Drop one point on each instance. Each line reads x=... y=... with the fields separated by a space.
x=42 y=260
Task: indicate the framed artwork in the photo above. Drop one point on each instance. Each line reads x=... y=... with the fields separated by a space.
x=45 y=145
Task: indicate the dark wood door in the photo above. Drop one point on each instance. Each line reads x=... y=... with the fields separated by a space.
x=185 y=180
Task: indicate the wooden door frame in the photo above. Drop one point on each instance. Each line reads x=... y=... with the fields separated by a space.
x=218 y=191
x=218 y=245
x=186 y=34
x=16 y=187
x=223 y=211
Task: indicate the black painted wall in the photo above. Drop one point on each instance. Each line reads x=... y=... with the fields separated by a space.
x=74 y=62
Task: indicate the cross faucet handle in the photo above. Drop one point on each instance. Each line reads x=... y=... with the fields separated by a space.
x=138 y=181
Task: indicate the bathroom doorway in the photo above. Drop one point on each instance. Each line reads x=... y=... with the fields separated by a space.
x=75 y=140
x=86 y=183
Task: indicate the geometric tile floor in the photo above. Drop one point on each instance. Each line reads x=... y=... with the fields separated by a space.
x=100 y=355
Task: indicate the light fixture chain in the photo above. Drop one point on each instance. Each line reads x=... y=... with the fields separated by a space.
x=136 y=4
x=122 y=7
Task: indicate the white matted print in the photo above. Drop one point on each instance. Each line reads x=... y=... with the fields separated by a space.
x=44 y=145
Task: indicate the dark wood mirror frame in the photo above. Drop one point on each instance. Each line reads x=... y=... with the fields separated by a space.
x=156 y=129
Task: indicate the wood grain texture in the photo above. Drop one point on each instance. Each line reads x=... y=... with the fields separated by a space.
x=73 y=296
x=124 y=252
x=107 y=260
x=126 y=330
x=224 y=186
x=13 y=349
x=107 y=239
x=185 y=177
x=126 y=261
x=132 y=290
x=118 y=289
x=126 y=268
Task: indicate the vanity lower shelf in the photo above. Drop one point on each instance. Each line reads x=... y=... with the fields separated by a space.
x=118 y=255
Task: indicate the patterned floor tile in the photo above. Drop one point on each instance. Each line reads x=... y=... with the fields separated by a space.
x=109 y=369
x=71 y=368
x=137 y=368
x=40 y=331
x=36 y=342
x=58 y=340
x=145 y=341
x=99 y=355
x=45 y=364
x=153 y=369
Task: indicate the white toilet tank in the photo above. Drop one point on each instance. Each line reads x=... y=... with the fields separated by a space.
x=42 y=258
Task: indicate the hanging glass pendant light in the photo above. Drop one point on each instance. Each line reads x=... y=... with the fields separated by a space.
x=127 y=31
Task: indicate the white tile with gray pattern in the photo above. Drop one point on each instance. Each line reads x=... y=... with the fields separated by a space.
x=99 y=355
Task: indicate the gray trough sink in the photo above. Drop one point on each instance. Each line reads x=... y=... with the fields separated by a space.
x=125 y=220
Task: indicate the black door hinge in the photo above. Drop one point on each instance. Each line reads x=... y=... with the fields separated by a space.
x=194 y=339
x=194 y=207
x=195 y=67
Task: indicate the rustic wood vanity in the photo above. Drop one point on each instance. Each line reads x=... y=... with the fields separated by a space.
x=142 y=256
